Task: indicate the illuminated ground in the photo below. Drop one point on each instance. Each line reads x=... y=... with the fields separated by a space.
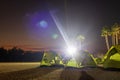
x=52 y=73
x=8 y=67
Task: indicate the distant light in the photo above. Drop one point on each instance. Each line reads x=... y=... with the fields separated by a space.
x=43 y=24
x=54 y=36
x=71 y=50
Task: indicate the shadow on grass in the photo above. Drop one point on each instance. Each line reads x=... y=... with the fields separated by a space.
x=52 y=66
x=109 y=69
x=112 y=69
x=27 y=74
x=72 y=73
x=85 y=76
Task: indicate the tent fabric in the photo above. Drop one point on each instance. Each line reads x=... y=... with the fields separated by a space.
x=85 y=59
x=81 y=58
x=112 y=57
x=50 y=57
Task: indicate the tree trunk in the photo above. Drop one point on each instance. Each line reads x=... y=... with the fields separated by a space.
x=107 y=42
x=116 y=38
x=113 y=39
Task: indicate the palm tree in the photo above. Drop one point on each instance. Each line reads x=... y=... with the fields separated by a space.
x=115 y=33
x=105 y=33
x=80 y=40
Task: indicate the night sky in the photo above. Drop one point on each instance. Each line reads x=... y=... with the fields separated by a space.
x=28 y=23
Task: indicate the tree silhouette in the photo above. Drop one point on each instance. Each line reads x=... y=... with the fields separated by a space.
x=115 y=31
x=18 y=55
x=105 y=33
x=80 y=40
x=3 y=54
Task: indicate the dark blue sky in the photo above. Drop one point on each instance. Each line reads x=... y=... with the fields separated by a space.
x=20 y=22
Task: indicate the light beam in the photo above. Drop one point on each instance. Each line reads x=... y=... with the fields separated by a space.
x=60 y=28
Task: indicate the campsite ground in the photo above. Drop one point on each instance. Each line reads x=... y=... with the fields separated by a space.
x=56 y=73
x=17 y=66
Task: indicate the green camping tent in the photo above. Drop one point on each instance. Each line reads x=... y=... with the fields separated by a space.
x=50 y=57
x=85 y=59
x=112 y=57
x=81 y=58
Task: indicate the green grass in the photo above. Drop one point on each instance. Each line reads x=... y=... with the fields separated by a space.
x=72 y=63
x=8 y=67
x=28 y=71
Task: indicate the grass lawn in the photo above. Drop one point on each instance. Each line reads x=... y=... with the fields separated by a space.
x=56 y=73
x=8 y=67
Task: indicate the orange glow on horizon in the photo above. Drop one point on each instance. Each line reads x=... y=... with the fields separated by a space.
x=31 y=48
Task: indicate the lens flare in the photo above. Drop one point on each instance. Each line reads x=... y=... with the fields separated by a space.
x=71 y=50
x=43 y=24
x=54 y=36
x=60 y=28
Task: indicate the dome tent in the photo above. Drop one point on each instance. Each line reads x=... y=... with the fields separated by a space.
x=80 y=59
x=112 y=57
x=50 y=57
x=85 y=59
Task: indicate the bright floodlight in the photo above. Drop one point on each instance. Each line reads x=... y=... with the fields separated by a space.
x=71 y=50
